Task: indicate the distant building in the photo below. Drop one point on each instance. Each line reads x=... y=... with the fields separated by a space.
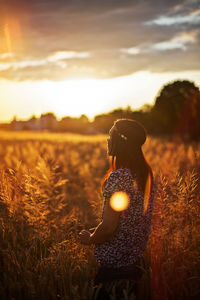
x=48 y=121
x=33 y=124
x=20 y=125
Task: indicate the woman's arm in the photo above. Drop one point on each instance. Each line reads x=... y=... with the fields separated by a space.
x=105 y=228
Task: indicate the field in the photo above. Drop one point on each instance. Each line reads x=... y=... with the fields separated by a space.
x=50 y=190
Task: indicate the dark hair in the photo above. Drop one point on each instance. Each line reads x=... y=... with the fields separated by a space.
x=127 y=140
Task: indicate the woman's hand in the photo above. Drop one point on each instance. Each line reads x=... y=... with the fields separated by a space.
x=84 y=236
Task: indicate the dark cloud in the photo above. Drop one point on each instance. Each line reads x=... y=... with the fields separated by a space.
x=101 y=28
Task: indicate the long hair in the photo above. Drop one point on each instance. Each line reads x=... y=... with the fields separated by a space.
x=127 y=140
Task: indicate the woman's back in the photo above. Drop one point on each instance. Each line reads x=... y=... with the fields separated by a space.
x=128 y=243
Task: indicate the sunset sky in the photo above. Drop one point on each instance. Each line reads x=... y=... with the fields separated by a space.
x=76 y=57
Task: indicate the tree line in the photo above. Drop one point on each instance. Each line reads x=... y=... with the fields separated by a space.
x=175 y=112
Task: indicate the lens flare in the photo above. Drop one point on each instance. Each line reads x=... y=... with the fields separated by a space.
x=7 y=36
x=12 y=33
x=147 y=193
x=119 y=201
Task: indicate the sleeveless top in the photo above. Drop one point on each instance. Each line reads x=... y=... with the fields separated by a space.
x=128 y=243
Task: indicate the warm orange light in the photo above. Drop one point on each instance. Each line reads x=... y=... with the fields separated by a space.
x=119 y=201
x=147 y=193
x=12 y=32
x=7 y=36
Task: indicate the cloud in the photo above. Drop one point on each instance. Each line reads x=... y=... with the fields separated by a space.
x=131 y=51
x=186 y=12
x=169 y=45
x=7 y=55
x=180 y=41
x=176 y=19
x=21 y=64
x=60 y=55
x=63 y=39
x=56 y=58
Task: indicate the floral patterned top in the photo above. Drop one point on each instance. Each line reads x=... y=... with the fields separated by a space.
x=129 y=241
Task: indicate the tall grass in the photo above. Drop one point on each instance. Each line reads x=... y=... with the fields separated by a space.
x=50 y=190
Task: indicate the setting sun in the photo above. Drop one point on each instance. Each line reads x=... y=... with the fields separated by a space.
x=77 y=96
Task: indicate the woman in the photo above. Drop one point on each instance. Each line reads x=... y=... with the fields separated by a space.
x=122 y=234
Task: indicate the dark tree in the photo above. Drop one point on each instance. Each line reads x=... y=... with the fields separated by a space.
x=177 y=110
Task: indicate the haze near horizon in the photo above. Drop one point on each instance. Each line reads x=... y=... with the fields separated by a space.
x=74 y=58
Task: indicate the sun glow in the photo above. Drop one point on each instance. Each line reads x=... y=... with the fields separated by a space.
x=89 y=96
x=74 y=97
x=119 y=201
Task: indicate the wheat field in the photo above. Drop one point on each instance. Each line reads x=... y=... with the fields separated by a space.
x=50 y=190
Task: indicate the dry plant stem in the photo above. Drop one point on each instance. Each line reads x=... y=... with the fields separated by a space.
x=50 y=191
